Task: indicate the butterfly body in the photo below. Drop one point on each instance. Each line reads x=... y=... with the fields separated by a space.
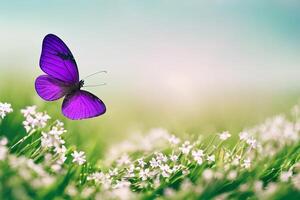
x=75 y=87
x=62 y=80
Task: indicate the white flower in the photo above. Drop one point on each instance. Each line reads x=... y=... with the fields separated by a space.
x=160 y=157
x=169 y=192
x=244 y=136
x=244 y=187
x=211 y=158
x=130 y=171
x=154 y=163
x=199 y=160
x=29 y=110
x=113 y=172
x=165 y=174
x=165 y=167
x=57 y=130
x=247 y=163
x=59 y=123
x=236 y=160
x=198 y=153
x=258 y=186
x=62 y=158
x=29 y=123
x=144 y=174
x=185 y=172
x=5 y=108
x=174 y=140
x=3 y=141
x=271 y=188
x=141 y=162
x=198 y=156
x=60 y=149
x=208 y=174
x=186 y=147
x=186 y=185
x=49 y=140
x=225 y=135
x=57 y=166
x=71 y=190
x=232 y=175
x=41 y=119
x=79 y=157
x=176 y=168
x=53 y=138
x=173 y=158
x=285 y=176
x=165 y=171
x=252 y=142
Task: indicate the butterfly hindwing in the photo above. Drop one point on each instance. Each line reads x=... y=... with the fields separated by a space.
x=81 y=105
x=49 y=88
x=57 y=60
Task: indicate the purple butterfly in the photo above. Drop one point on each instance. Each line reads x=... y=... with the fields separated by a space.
x=62 y=79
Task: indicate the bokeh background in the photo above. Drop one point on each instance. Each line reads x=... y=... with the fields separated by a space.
x=192 y=67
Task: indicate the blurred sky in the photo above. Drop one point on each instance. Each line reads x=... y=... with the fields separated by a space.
x=161 y=48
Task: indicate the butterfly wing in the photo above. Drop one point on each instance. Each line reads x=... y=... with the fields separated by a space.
x=49 y=88
x=57 y=60
x=81 y=105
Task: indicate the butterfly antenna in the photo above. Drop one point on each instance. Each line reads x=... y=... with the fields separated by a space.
x=95 y=85
x=95 y=74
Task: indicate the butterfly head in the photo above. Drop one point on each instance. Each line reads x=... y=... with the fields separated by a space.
x=81 y=83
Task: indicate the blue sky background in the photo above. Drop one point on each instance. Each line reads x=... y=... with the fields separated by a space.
x=161 y=48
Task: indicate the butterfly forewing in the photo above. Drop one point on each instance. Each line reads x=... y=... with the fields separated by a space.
x=57 y=60
x=81 y=105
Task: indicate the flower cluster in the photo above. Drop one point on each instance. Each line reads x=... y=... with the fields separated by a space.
x=33 y=119
x=53 y=142
x=28 y=170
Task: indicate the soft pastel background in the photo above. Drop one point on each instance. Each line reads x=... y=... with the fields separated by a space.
x=189 y=66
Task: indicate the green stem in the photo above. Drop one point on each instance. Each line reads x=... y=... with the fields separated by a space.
x=36 y=152
x=28 y=145
x=235 y=146
x=22 y=139
x=216 y=148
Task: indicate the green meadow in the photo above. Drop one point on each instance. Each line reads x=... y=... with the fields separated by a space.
x=234 y=145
